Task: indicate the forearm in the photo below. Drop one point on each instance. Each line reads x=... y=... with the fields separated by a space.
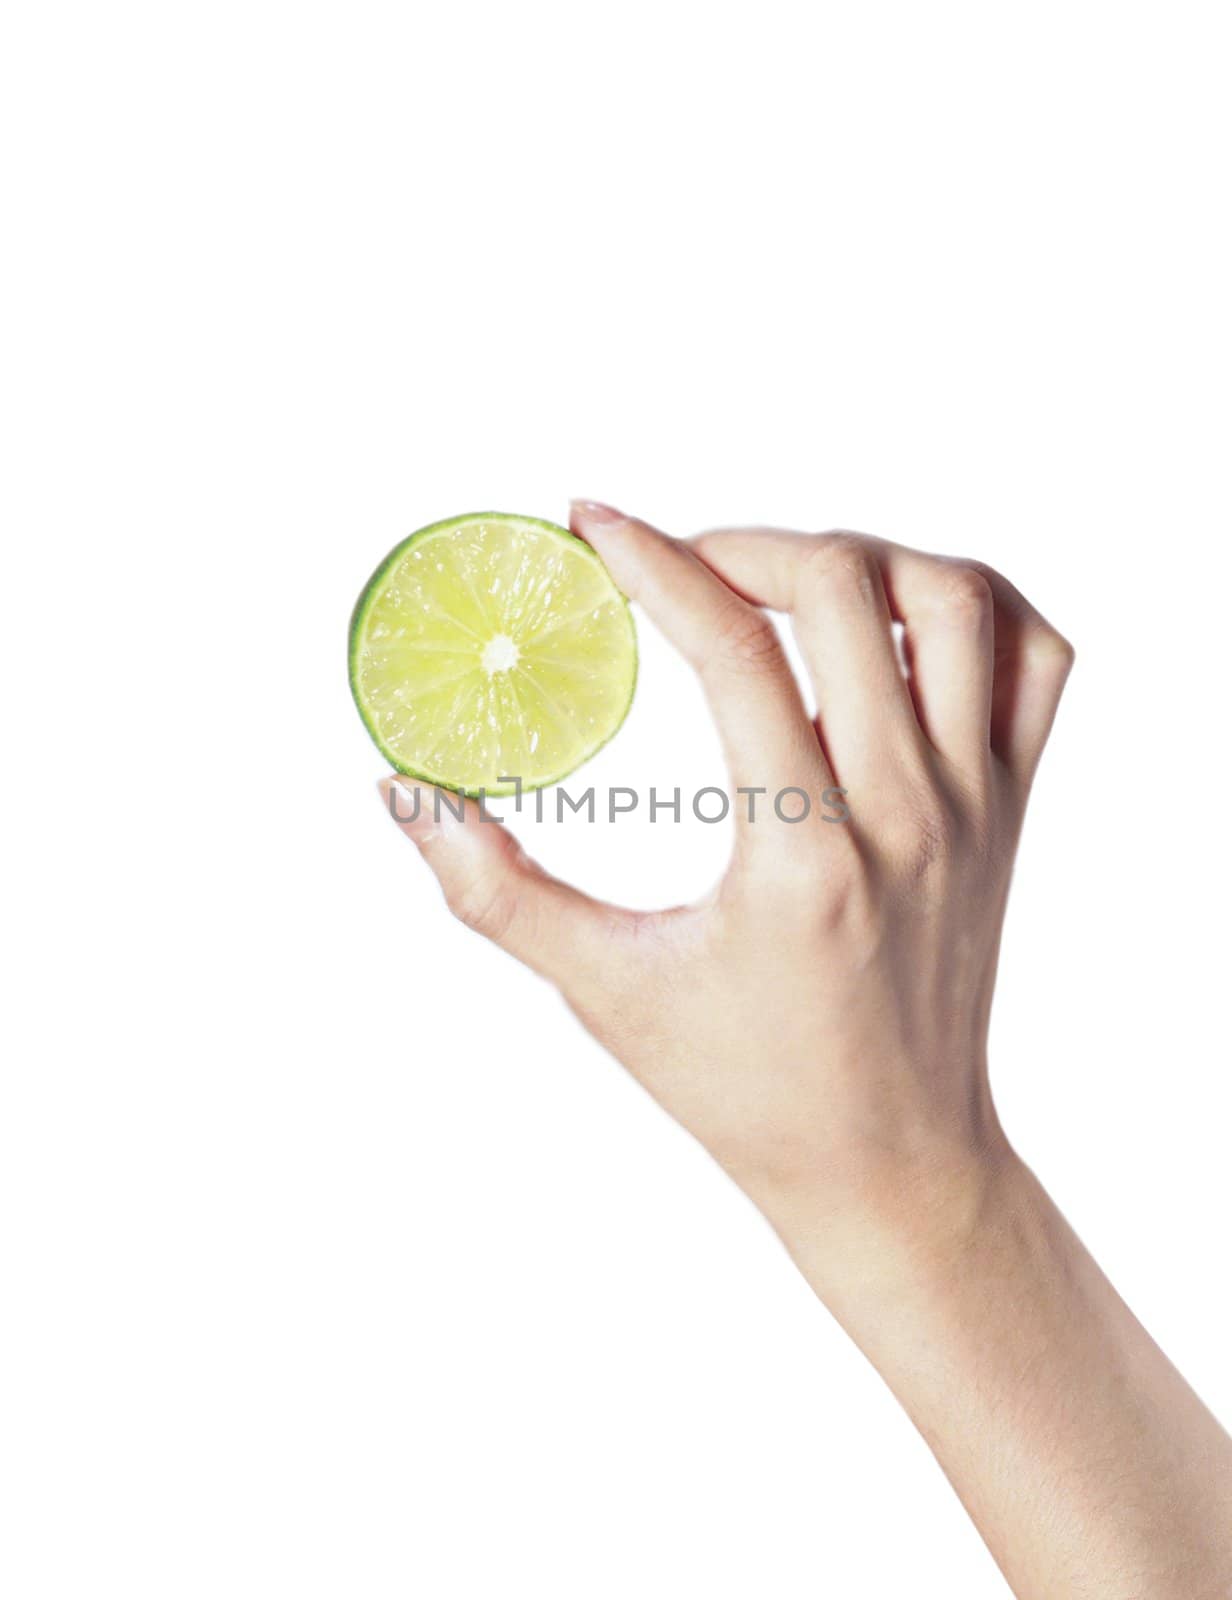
x=1087 y=1463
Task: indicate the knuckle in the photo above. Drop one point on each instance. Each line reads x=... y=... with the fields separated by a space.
x=1055 y=650
x=965 y=594
x=1038 y=638
x=924 y=837
x=994 y=579
x=844 y=903
x=745 y=638
x=820 y=890
x=844 y=563
x=485 y=904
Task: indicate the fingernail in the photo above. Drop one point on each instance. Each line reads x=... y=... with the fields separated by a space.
x=415 y=810
x=596 y=511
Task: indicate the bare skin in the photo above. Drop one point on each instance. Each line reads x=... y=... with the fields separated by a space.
x=860 y=1119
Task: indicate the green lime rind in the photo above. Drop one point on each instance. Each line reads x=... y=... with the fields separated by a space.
x=355 y=637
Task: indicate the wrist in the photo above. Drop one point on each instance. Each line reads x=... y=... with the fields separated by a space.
x=903 y=1229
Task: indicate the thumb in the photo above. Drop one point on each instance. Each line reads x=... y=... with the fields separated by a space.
x=493 y=886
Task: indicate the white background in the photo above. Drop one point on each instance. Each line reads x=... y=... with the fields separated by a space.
x=336 y=1260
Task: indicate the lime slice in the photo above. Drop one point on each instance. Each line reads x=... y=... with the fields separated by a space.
x=491 y=648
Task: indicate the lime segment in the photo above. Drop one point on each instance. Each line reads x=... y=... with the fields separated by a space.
x=492 y=647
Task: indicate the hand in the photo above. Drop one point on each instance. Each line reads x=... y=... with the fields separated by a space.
x=819 y=1023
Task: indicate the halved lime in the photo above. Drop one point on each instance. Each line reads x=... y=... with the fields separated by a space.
x=491 y=648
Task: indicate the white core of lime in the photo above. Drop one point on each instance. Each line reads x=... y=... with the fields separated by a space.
x=492 y=648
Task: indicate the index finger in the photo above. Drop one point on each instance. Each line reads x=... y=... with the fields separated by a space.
x=768 y=739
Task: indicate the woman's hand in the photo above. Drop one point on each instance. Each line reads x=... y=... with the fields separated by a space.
x=819 y=1023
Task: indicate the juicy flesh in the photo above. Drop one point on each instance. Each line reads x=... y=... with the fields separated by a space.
x=494 y=648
